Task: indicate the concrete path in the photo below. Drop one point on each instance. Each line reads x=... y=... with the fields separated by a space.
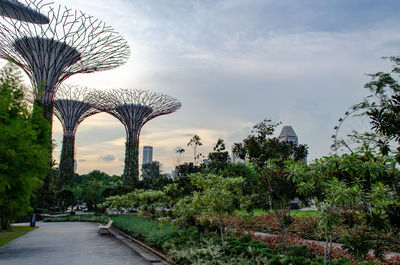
x=68 y=244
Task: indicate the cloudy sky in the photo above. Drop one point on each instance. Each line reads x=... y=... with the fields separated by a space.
x=233 y=63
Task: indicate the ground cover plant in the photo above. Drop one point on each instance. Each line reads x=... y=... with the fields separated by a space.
x=190 y=246
x=15 y=232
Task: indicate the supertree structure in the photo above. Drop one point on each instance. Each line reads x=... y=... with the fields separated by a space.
x=16 y=10
x=72 y=105
x=72 y=42
x=134 y=108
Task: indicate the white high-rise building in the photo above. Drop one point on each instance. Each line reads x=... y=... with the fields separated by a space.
x=147 y=154
x=288 y=134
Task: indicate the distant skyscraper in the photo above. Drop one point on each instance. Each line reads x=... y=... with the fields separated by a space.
x=147 y=154
x=288 y=134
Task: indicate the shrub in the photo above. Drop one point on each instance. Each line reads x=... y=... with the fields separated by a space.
x=145 y=228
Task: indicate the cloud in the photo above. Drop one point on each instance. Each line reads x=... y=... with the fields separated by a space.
x=234 y=63
x=108 y=158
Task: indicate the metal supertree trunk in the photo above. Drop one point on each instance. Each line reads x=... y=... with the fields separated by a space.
x=72 y=105
x=72 y=42
x=134 y=108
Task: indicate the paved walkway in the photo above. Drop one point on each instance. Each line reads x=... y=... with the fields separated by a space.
x=68 y=244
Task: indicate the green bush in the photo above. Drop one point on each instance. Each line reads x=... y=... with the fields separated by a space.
x=145 y=228
x=80 y=218
x=298 y=251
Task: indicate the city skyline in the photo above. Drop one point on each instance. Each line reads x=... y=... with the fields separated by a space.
x=232 y=64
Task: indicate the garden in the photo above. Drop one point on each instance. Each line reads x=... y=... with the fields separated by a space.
x=218 y=212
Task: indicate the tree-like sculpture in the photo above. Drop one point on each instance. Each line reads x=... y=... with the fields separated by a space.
x=72 y=105
x=72 y=42
x=16 y=10
x=134 y=108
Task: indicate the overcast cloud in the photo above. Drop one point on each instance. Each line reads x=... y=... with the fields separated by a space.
x=233 y=63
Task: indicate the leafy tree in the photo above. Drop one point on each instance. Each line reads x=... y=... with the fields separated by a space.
x=92 y=194
x=383 y=104
x=271 y=158
x=90 y=187
x=23 y=162
x=65 y=198
x=216 y=195
x=140 y=199
x=195 y=141
x=186 y=169
x=362 y=182
x=219 y=158
x=179 y=154
x=151 y=170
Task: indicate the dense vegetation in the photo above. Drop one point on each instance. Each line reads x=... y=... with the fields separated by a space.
x=206 y=215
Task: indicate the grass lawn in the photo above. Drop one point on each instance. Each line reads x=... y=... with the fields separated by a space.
x=17 y=231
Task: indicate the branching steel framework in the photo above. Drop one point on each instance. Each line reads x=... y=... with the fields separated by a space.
x=16 y=10
x=72 y=105
x=72 y=42
x=134 y=108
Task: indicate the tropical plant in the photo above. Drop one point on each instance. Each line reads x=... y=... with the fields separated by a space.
x=271 y=158
x=195 y=141
x=23 y=160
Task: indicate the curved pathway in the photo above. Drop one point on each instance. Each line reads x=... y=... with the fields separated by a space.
x=68 y=244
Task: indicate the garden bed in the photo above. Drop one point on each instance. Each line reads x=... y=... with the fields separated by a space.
x=192 y=247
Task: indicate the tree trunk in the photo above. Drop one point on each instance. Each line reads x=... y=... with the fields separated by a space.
x=284 y=230
x=44 y=131
x=330 y=245
x=66 y=174
x=5 y=221
x=221 y=229
x=131 y=170
x=325 y=251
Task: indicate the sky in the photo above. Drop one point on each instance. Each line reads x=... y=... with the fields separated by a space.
x=233 y=63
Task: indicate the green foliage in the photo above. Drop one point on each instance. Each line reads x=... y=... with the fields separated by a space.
x=271 y=159
x=151 y=170
x=362 y=182
x=145 y=228
x=89 y=188
x=385 y=90
x=15 y=232
x=138 y=199
x=131 y=168
x=185 y=169
x=80 y=218
x=218 y=159
x=195 y=141
x=216 y=195
x=65 y=198
x=23 y=161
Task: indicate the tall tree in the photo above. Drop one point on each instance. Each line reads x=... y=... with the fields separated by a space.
x=23 y=160
x=219 y=158
x=383 y=104
x=270 y=157
x=195 y=141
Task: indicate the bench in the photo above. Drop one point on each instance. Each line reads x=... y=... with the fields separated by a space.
x=105 y=227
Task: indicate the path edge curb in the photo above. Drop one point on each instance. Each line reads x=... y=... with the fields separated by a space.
x=163 y=259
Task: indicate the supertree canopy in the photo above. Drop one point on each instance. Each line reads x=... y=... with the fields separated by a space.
x=134 y=108
x=72 y=105
x=16 y=10
x=72 y=42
